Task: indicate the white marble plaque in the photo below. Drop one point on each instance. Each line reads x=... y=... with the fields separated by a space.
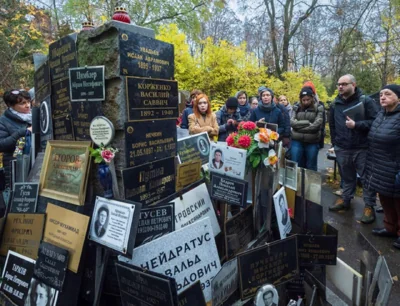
x=111 y=223
x=195 y=205
x=227 y=160
x=188 y=255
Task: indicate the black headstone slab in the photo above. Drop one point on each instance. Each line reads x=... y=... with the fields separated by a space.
x=51 y=265
x=46 y=122
x=42 y=82
x=63 y=128
x=60 y=100
x=295 y=287
x=145 y=57
x=34 y=174
x=274 y=263
x=151 y=99
x=24 y=198
x=145 y=288
x=62 y=56
x=229 y=190
x=155 y=222
x=82 y=114
x=151 y=182
x=87 y=84
x=239 y=231
x=317 y=249
x=17 y=275
x=149 y=141
x=194 y=147
x=192 y=296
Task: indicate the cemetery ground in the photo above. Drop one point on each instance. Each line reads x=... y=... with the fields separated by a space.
x=348 y=226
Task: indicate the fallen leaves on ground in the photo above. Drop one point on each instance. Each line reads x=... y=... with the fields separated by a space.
x=340 y=249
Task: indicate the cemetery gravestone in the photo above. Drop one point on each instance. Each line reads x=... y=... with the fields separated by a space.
x=24 y=198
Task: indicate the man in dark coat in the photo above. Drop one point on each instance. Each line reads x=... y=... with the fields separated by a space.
x=350 y=140
x=228 y=118
x=100 y=225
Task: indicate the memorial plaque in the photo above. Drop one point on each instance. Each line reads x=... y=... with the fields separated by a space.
x=145 y=57
x=194 y=147
x=192 y=296
x=188 y=255
x=102 y=131
x=66 y=164
x=82 y=114
x=46 y=122
x=24 y=197
x=145 y=288
x=317 y=249
x=274 y=263
x=66 y=229
x=42 y=82
x=149 y=141
x=187 y=173
x=225 y=283
x=51 y=265
x=16 y=277
x=151 y=99
x=60 y=99
x=239 y=231
x=63 y=128
x=34 y=174
x=195 y=205
x=149 y=183
x=39 y=293
x=62 y=56
x=22 y=234
x=87 y=84
x=114 y=224
x=229 y=190
x=154 y=223
x=227 y=160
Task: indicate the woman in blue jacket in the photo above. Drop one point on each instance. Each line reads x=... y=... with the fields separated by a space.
x=267 y=111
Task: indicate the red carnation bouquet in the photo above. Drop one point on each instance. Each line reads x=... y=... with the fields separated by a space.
x=257 y=141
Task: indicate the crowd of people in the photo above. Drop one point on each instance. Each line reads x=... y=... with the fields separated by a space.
x=366 y=146
x=366 y=140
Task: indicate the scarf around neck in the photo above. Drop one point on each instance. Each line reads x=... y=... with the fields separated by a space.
x=244 y=109
x=266 y=108
x=24 y=117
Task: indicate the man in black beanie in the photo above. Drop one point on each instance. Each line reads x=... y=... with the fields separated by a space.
x=350 y=141
x=228 y=118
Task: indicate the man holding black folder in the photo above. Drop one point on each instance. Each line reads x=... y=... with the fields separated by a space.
x=350 y=119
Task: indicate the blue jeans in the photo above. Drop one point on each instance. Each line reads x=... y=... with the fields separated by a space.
x=305 y=154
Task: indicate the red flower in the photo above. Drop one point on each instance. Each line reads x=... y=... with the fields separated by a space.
x=248 y=125
x=230 y=140
x=244 y=141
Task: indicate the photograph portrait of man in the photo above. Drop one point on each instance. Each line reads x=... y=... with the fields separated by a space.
x=267 y=296
x=100 y=225
x=284 y=210
x=217 y=161
x=40 y=294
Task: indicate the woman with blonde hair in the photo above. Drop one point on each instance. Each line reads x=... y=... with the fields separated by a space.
x=203 y=119
x=285 y=102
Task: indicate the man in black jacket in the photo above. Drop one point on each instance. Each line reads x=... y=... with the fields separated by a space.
x=349 y=139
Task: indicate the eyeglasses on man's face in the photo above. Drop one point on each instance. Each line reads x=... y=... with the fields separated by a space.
x=343 y=84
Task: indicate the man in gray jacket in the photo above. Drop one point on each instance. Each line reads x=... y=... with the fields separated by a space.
x=349 y=138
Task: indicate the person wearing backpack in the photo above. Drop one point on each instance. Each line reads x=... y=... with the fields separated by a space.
x=306 y=124
x=350 y=141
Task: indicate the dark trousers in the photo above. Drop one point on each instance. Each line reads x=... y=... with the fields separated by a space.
x=391 y=209
x=351 y=162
